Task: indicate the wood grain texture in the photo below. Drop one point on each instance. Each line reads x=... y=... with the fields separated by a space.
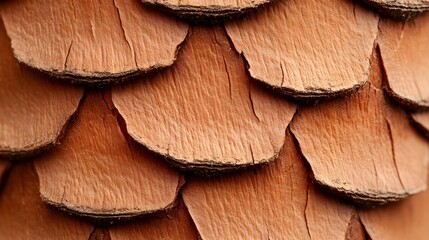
x=405 y=53
x=100 y=173
x=205 y=113
x=362 y=147
x=208 y=9
x=400 y=9
x=25 y=216
x=314 y=61
x=407 y=219
x=421 y=122
x=176 y=225
x=273 y=202
x=34 y=109
x=107 y=40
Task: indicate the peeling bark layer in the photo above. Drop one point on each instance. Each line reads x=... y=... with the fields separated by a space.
x=209 y=10
x=34 y=108
x=400 y=9
x=300 y=53
x=108 y=41
x=405 y=53
x=275 y=201
x=407 y=219
x=25 y=216
x=107 y=175
x=362 y=147
x=213 y=116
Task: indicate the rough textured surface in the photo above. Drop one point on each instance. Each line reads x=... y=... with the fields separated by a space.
x=176 y=225
x=362 y=147
x=400 y=9
x=27 y=217
x=210 y=9
x=273 y=202
x=215 y=117
x=356 y=230
x=407 y=219
x=98 y=172
x=405 y=52
x=421 y=122
x=34 y=109
x=312 y=62
x=208 y=115
x=108 y=40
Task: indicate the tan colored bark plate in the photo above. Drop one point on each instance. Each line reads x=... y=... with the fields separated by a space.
x=405 y=52
x=273 y=202
x=400 y=9
x=98 y=172
x=300 y=53
x=362 y=147
x=205 y=112
x=25 y=216
x=108 y=40
x=421 y=121
x=34 y=109
x=208 y=9
x=176 y=225
x=407 y=219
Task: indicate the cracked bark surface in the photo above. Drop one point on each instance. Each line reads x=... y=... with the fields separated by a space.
x=405 y=53
x=213 y=116
x=421 y=122
x=312 y=62
x=362 y=147
x=207 y=9
x=34 y=109
x=406 y=219
x=27 y=217
x=274 y=201
x=108 y=41
x=177 y=225
x=99 y=172
x=400 y=9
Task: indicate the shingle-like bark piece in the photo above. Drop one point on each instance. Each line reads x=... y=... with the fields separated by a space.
x=176 y=225
x=100 y=173
x=405 y=53
x=205 y=112
x=421 y=121
x=210 y=9
x=327 y=56
x=407 y=219
x=362 y=147
x=275 y=201
x=34 y=109
x=400 y=9
x=92 y=41
x=24 y=216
